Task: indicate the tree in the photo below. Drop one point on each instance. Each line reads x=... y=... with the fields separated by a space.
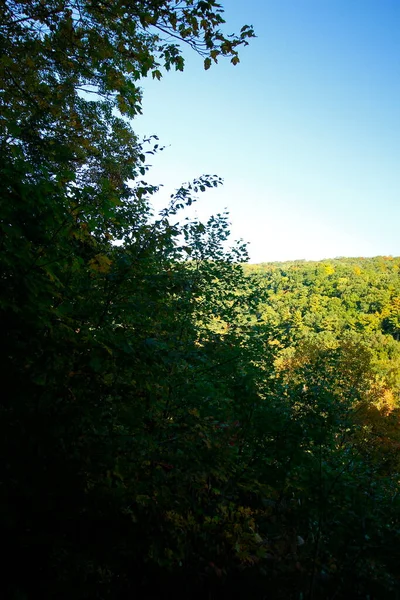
x=100 y=341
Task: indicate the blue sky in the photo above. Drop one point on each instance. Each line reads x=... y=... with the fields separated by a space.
x=305 y=131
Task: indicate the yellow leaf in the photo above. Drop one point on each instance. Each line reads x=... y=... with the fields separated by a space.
x=100 y=263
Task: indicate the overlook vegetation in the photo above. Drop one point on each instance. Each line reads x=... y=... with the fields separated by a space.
x=173 y=419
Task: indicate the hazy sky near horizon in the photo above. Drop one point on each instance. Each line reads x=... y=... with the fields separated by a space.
x=305 y=131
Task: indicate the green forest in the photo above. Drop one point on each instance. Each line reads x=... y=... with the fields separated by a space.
x=174 y=420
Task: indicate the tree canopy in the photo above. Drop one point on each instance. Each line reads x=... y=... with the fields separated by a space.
x=172 y=420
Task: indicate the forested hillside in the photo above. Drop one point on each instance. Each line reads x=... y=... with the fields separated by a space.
x=329 y=301
x=173 y=422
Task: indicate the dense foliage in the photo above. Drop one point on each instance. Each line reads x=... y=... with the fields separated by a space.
x=170 y=420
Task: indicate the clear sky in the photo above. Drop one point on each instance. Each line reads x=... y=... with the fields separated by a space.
x=305 y=131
